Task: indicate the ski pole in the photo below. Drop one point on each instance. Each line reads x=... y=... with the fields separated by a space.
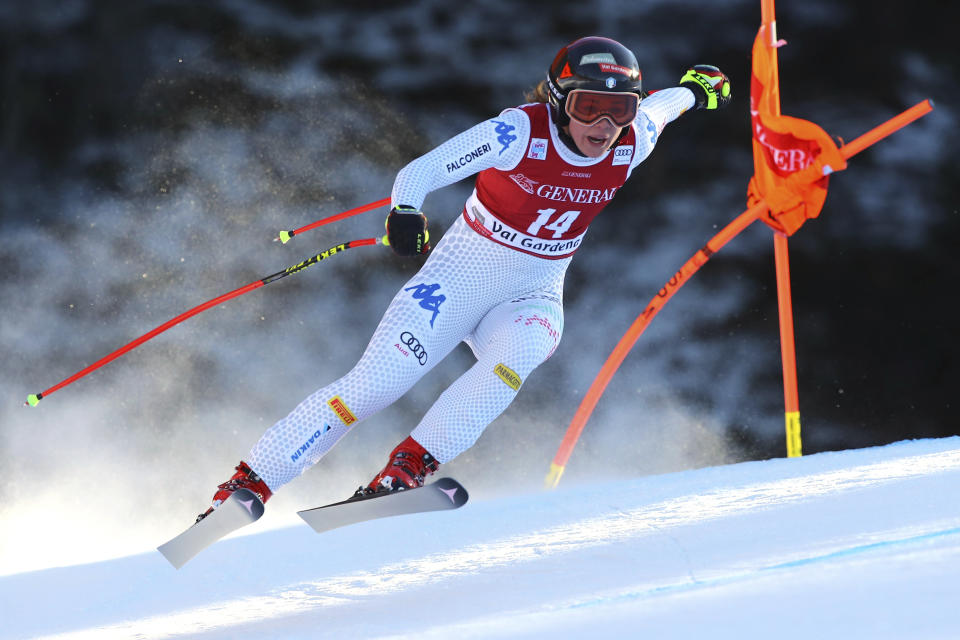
x=34 y=399
x=285 y=236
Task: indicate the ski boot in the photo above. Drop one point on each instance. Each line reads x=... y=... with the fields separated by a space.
x=409 y=464
x=244 y=478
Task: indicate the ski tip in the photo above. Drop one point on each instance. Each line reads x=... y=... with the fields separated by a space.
x=454 y=490
x=249 y=501
x=243 y=507
x=175 y=560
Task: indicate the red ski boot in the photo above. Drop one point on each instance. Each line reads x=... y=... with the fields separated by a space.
x=244 y=478
x=409 y=464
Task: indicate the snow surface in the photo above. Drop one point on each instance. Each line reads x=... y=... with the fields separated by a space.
x=855 y=544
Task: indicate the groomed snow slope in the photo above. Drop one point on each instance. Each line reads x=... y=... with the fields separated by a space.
x=854 y=544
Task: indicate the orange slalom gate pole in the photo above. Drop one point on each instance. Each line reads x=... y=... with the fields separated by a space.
x=788 y=352
x=633 y=334
x=881 y=131
x=619 y=352
x=781 y=252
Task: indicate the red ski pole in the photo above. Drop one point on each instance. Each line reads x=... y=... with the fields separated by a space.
x=34 y=399
x=285 y=236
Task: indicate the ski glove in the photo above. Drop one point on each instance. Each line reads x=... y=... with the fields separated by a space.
x=709 y=85
x=407 y=231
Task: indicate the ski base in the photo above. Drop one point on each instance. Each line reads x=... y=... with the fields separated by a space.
x=445 y=493
x=240 y=509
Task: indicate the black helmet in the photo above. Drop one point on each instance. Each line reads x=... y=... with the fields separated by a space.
x=594 y=64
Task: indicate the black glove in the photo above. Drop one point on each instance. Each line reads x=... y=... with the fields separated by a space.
x=710 y=86
x=407 y=231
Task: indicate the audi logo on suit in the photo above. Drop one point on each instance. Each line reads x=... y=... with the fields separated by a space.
x=416 y=348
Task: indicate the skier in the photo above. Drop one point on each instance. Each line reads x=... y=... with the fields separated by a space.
x=495 y=280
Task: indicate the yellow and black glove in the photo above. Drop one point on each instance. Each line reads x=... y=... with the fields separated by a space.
x=710 y=86
x=407 y=231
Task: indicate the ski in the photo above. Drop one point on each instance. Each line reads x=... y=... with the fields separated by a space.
x=445 y=493
x=240 y=509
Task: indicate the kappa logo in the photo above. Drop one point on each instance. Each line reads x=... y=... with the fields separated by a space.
x=524 y=182
x=505 y=136
x=508 y=375
x=429 y=298
x=538 y=149
x=343 y=412
x=655 y=130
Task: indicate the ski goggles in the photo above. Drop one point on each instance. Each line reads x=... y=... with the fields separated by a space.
x=588 y=107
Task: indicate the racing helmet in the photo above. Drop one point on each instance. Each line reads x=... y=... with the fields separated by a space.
x=592 y=78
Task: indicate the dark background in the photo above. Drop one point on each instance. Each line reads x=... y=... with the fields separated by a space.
x=149 y=151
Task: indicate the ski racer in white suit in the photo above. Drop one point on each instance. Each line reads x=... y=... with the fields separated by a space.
x=495 y=280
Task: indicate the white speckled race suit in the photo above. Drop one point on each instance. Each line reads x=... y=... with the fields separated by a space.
x=495 y=281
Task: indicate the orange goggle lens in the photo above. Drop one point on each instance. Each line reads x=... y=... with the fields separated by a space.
x=588 y=107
